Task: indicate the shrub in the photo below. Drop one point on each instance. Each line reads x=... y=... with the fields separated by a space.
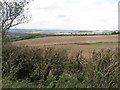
x=32 y=63
x=52 y=68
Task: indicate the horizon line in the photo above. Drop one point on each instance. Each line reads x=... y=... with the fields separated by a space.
x=63 y=29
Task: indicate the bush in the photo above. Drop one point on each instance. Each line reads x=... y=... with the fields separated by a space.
x=52 y=68
x=31 y=63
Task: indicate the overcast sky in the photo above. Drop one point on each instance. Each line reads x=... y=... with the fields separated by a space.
x=73 y=14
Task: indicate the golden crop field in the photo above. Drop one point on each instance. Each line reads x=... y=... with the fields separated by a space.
x=74 y=43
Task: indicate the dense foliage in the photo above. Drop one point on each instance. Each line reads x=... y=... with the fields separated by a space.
x=28 y=67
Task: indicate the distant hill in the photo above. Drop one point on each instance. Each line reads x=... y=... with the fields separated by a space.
x=25 y=30
x=34 y=30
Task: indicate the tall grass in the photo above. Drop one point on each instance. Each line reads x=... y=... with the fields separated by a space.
x=52 y=68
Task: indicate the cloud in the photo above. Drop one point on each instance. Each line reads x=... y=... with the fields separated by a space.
x=73 y=14
x=61 y=16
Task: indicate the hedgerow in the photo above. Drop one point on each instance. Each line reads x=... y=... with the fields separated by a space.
x=52 y=68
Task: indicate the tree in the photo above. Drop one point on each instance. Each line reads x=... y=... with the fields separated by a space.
x=12 y=13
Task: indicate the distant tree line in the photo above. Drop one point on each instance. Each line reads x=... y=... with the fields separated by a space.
x=116 y=32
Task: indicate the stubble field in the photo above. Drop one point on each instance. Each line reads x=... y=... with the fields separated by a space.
x=74 y=43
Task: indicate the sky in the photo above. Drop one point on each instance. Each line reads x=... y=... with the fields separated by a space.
x=73 y=14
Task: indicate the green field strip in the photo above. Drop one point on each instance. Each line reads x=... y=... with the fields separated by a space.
x=97 y=43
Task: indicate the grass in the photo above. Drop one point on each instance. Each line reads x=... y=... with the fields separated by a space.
x=7 y=83
x=103 y=43
x=97 y=43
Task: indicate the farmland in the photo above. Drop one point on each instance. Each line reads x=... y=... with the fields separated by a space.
x=58 y=62
x=74 y=43
x=61 y=62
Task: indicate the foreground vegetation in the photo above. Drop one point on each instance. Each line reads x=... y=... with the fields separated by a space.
x=28 y=67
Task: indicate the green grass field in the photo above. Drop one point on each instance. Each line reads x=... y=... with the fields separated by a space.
x=97 y=43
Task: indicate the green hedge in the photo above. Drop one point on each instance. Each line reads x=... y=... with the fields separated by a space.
x=52 y=68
